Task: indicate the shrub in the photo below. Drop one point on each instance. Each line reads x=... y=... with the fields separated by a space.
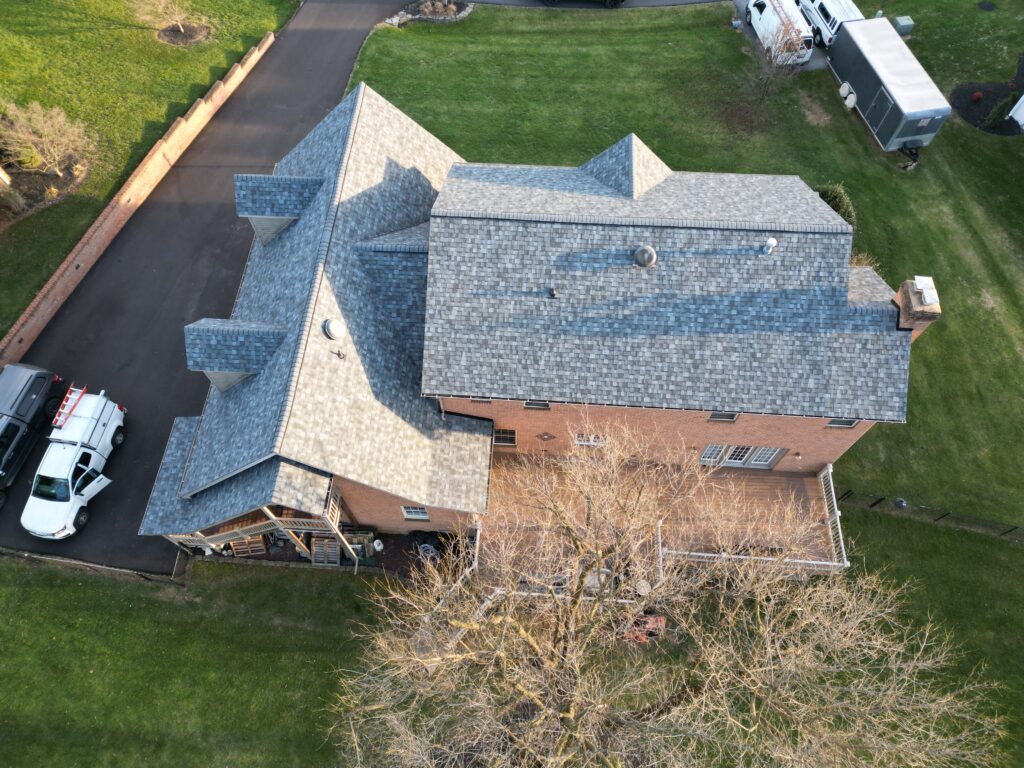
x=863 y=259
x=1001 y=110
x=10 y=200
x=839 y=200
x=43 y=138
x=51 y=193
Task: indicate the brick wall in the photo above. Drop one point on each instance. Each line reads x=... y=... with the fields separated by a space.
x=383 y=511
x=670 y=431
x=150 y=172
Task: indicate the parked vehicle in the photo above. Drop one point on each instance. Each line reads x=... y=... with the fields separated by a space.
x=827 y=16
x=782 y=29
x=885 y=83
x=29 y=398
x=87 y=428
x=605 y=3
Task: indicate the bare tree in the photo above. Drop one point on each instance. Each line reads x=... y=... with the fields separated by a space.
x=536 y=656
x=164 y=13
x=769 y=72
x=47 y=139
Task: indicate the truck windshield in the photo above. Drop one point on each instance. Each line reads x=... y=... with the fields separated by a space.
x=51 y=488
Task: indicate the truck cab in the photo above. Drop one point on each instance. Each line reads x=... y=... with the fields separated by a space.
x=29 y=398
x=826 y=16
x=86 y=431
x=782 y=29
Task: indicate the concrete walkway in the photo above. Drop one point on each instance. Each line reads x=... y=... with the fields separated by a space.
x=178 y=259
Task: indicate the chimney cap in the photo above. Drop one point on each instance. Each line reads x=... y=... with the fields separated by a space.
x=926 y=287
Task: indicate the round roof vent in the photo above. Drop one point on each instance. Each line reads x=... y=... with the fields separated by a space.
x=645 y=256
x=333 y=329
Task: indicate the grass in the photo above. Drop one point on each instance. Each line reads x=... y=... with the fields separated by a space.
x=236 y=670
x=557 y=87
x=971 y=584
x=94 y=59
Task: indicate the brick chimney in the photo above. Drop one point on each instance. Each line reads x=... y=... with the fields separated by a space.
x=918 y=302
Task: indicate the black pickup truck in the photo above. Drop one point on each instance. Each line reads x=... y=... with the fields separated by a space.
x=29 y=398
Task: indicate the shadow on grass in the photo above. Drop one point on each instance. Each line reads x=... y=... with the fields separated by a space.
x=44 y=22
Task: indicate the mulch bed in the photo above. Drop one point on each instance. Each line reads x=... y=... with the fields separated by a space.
x=413 y=9
x=32 y=187
x=193 y=34
x=974 y=102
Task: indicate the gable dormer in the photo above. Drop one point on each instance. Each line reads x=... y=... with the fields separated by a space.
x=271 y=203
x=228 y=351
x=629 y=167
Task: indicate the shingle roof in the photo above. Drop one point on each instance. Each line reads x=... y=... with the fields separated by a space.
x=629 y=167
x=284 y=196
x=358 y=415
x=230 y=345
x=717 y=324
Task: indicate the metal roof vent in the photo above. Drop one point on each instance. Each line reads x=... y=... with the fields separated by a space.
x=645 y=256
x=333 y=329
x=770 y=245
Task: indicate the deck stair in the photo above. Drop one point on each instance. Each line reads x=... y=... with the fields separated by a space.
x=249 y=546
x=324 y=550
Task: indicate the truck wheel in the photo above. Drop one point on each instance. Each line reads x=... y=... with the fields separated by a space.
x=612 y=3
x=81 y=519
x=817 y=37
x=51 y=407
x=748 y=15
x=117 y=440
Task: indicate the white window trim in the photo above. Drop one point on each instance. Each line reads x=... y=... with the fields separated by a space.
x=415 y=513
x=716 y=459
x=515 y=437
x=592 y=441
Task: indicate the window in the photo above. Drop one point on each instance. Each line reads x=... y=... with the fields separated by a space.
x=843 y=423
x=591 y=440
x=760 y=5
x=537 y=405
x=924 y=122
x=7 y=438
x=84 y=481
x=824 y=13
x=712 y=454
x=723 y=416
x=415 y=513
x=51 y=488
x=763 y=457
x=739 y=454
x=504 y=437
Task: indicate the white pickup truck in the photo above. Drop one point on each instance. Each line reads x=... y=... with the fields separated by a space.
x=87 y=428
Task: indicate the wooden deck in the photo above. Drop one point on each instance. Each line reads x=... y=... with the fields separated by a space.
x=739 y=511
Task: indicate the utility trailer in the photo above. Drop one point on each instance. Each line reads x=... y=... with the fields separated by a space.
x=890 y=89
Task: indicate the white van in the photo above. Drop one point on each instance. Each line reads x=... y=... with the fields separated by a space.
x=782 y=30
x=826 y=16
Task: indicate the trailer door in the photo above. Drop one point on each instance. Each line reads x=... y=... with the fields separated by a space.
x=878 y=110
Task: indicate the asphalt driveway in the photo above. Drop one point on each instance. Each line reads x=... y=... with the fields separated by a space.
x=180 y=258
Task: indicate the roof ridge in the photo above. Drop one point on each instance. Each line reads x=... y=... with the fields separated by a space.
x=628 y=166
x=319 y=273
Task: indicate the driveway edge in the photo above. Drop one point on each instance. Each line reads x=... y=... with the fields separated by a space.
x=143 y=180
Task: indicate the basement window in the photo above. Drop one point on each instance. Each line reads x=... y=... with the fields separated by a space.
x=415 y=513
x=712 y=455
x=843 y=423
x=504 y=437
x=537 y=405
x=478 y=400
x=592 y=441
x=723 y=416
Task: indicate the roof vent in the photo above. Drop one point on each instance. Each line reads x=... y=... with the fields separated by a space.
x=645 y=256
x=770 y=245
x=333 y=329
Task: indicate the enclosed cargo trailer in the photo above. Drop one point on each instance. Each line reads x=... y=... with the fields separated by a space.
x=892 y=92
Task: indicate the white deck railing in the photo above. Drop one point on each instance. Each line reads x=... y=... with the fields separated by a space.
x=835 y=530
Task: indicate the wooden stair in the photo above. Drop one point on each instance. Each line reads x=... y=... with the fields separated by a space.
x=249 y=546
x=324 y=550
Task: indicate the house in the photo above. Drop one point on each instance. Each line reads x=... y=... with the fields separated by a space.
x=404 y=315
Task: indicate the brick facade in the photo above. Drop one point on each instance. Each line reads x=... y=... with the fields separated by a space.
x=383 y=511
x=809 y=443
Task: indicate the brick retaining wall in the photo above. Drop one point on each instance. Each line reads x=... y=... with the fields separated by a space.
x=149 y=173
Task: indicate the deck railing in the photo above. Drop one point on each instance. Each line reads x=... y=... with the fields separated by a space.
x=835 y=530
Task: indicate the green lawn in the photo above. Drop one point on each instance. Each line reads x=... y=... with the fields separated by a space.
x=971 y=584
x=95 y=60
x=236 y=670
x=556 y=87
